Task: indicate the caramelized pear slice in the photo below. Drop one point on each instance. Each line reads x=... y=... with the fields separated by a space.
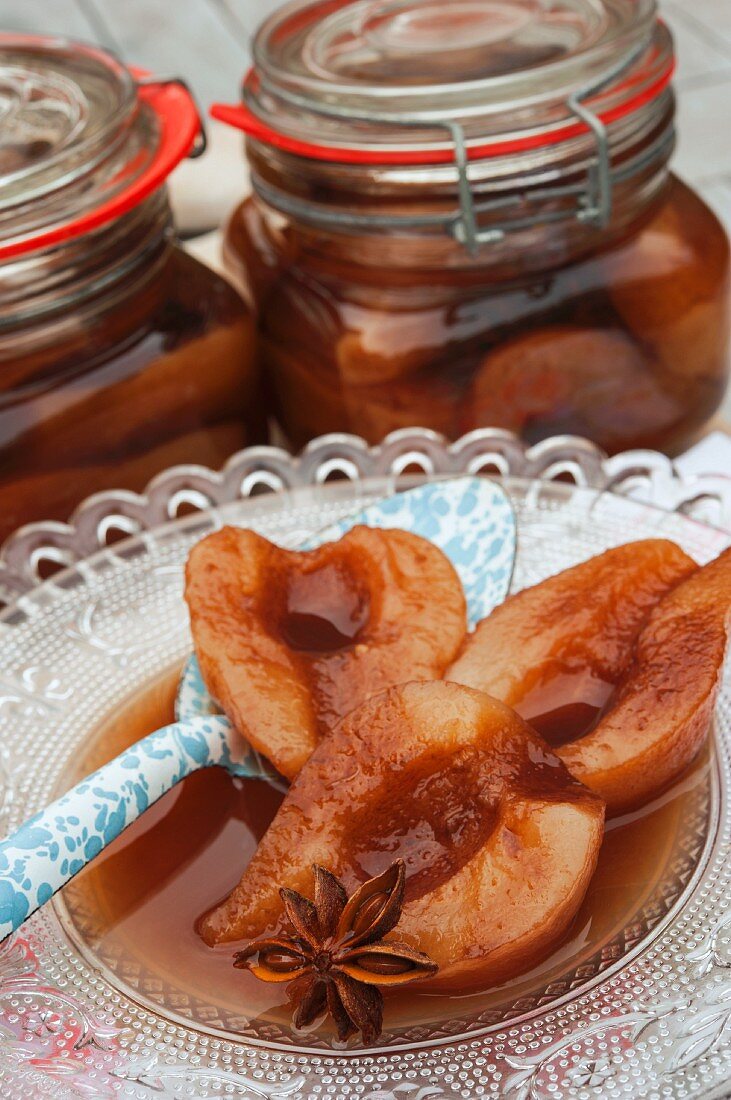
x=641 y=621
x=662 y=709
x=288 y=642
x=499 y=840
x=577 y=626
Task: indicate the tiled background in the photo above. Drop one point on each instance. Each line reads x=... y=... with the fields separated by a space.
x=207 y=41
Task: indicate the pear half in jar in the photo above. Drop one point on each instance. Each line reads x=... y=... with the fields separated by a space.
x=670 y=285
x=290 y=641
x=499 y=840
x=558 y=379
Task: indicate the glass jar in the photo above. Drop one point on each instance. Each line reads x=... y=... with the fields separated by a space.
x=119 y=354
x=462 y=216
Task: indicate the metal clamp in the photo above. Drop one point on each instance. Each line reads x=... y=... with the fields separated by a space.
x=593 y=196
x=594 y=203
x=201 y=139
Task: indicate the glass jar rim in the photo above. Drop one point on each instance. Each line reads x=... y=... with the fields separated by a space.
x=243 y=117
x=149 y=124
x=329 y=125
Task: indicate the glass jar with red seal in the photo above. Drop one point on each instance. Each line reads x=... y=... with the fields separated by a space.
x=463 y=215
x=119 y=354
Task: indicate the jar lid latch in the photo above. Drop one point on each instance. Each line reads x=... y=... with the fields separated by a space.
x=594 y=206
x=200 y=143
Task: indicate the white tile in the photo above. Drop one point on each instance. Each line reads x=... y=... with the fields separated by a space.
x=250 y=13
x=711 y=456
x=713 y=15
x=697 y=56
x=187 y=39
x=704 y=146
x=63 y=17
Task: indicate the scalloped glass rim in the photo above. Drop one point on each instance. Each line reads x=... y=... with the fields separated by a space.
x=360 y=492
x=641 y=475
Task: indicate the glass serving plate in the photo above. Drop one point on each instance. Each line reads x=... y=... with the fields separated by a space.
x=644 y=1011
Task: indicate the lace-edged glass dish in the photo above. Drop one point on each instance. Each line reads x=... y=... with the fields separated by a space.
x=635 y=1002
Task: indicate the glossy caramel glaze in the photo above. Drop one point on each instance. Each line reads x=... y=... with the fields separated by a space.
x=291 y=641
x=579 y=625
x=136 y=904
x=618 y=659
x=499 y=840
x=662 y=709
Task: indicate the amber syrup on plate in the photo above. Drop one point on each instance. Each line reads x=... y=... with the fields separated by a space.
x=135 y=908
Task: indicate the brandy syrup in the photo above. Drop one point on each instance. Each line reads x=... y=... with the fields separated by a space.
x=135 y=907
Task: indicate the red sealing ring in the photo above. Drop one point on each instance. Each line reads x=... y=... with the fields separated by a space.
x=242 y=118
x=179 y=123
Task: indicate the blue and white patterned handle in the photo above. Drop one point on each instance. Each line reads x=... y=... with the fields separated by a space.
x=53 y=846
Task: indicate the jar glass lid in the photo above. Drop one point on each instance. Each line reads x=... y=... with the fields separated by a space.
x=429 y=45
x=388 y=76
x=83 y=139
x=410 y=54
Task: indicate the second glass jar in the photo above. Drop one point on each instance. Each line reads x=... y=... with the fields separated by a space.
x=618 y=331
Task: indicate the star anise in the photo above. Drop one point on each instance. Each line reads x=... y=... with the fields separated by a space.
x=337 y=956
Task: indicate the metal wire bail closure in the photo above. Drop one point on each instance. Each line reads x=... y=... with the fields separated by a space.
x=594 y=205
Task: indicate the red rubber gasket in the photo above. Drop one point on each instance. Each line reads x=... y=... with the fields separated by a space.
x=242 y=118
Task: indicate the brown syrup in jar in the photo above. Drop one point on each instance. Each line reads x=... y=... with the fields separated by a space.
x=120 y=354
x=136 y=906
x=625 y=343
x=118 y=396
